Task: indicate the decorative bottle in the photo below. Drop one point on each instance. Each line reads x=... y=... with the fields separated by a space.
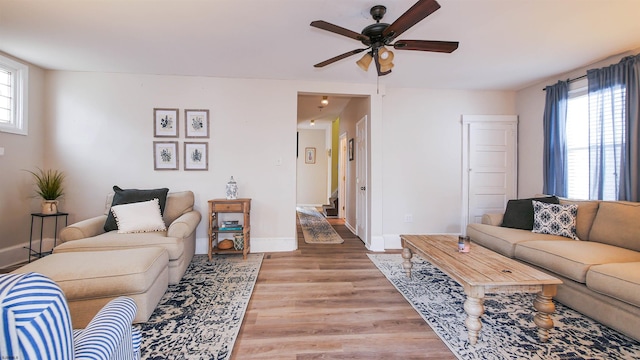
x=232 y=189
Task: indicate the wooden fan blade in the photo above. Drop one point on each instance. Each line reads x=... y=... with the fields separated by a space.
x=426 y=45
x=417 y=12
x=339 y=57
x=320 y=24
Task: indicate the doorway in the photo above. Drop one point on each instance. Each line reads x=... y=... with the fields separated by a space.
x=340 y=179
x=489 y=164
x=342 y=175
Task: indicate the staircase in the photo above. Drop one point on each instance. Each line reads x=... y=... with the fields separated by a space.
x=331 y=210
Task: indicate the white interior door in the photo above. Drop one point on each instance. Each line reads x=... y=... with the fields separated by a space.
x=342 y=177
x=490 y=165
x=362 y=180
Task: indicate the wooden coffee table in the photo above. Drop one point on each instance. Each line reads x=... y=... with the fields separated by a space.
x=482 y=271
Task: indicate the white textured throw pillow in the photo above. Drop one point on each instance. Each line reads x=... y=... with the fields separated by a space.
x=138 y=217
x=555 y=219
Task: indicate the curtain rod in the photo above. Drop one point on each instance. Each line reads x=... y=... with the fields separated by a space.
x=570 y=80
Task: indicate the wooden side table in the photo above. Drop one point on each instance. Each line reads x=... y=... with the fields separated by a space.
x=218 y=206
x=42 y=216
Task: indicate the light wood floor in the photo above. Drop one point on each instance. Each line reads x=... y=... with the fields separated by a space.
x=331 y=302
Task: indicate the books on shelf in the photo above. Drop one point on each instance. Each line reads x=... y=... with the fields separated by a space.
x=231 y=227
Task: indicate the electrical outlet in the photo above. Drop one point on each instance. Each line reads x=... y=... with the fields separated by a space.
x=408 y=218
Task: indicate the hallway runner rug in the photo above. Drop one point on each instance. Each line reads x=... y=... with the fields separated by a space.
x=200 y=317
x=316 y=228
x=508 y=330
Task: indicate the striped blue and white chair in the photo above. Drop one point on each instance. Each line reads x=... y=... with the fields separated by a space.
x=35 y=324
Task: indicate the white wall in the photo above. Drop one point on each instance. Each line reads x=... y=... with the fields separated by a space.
x=312 y=178
x=422 y=156
x=101 y=134
x=98 y=128
x=530 y=106
x=16 y=185
x=356 y=109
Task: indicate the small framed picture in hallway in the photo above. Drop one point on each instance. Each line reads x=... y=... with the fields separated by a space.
x=310 y=155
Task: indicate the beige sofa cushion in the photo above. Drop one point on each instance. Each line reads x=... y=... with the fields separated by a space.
x=587 y=210
x=90 y=275
x=177 y=204
x=617 y=223
x=503 y=240
x=571 y=258
x=621 y=281
x=114 y=241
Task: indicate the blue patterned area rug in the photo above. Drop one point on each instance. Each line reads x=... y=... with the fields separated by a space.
x=316 y=228
x=200 y=317
x=508 y=331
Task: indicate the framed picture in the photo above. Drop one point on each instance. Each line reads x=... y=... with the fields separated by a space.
x=165 y=122
x=350 y=150
x=196 y=123
x=165 y=155
x=310 y=155
x=196 y=156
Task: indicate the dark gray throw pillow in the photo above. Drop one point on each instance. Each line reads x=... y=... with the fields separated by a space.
x=128 y=196
x=519 y=213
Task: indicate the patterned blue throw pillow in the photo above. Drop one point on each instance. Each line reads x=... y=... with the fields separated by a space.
x=555 y=219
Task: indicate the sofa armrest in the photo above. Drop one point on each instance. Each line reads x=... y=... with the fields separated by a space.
x=184 y=225
x=492 y=219
x=109 y=333
x=83 y=229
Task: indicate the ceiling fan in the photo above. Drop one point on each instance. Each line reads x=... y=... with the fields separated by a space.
x=379 y=35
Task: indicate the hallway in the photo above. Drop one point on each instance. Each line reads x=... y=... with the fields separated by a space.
x=331 y=302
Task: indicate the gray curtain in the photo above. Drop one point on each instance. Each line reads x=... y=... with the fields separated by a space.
x=555 y=139
x=614 y=155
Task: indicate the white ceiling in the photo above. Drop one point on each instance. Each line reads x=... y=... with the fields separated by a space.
x=504 y=44
x=309 y=108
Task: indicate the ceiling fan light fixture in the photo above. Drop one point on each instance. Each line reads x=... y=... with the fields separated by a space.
x=385 y=56
x=386 y=67
x=324 y=101
x=365 y=61
x=312 y=123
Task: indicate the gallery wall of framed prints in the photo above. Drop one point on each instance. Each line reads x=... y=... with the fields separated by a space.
x=166 y=153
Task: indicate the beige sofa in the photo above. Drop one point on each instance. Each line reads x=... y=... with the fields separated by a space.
x=179 y=238
x=600 y=272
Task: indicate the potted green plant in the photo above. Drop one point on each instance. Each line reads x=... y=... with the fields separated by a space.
x=49 y=188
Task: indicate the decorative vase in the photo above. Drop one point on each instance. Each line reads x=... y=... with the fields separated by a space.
x=232 y=189
x=238 y=242
x=49 y=207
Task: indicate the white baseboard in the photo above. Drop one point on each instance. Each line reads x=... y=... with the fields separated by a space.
x=351 y=228
x=17 y=254
x=392 y=241
x=258 y=245
x=377 y=244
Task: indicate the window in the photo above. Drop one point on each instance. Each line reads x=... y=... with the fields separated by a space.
x=13 y=96
x=578 y=145
x=587 y=138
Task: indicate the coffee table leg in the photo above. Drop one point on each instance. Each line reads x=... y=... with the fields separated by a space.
x=406 y=263
x=474 y=308
x=544 y=305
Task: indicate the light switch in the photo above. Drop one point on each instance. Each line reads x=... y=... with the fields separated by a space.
x=1 y=151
